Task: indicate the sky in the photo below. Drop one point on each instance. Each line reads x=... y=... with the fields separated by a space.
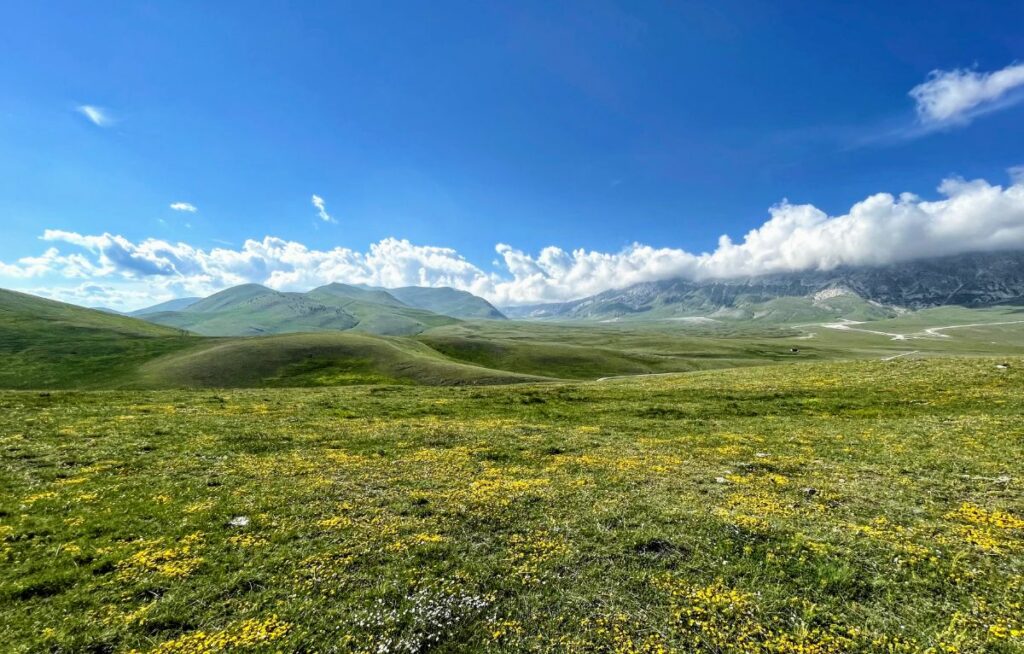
x=525 y=151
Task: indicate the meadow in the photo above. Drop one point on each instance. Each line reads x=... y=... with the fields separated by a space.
x=819 y=507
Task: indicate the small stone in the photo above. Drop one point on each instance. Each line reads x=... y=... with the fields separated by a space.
x=721 y=480
x=240 y=521
x=1002 y=366
x=761 y=455
x=810 y=492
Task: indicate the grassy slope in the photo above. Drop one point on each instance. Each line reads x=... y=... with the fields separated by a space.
x=252 y=309
x=746 y=309
x=177 y=304
x=828 y=507
x=54 y=345
x=588 y=352
x=574 y=351
x=46 y=344
x=313 y=360
x=447 y=301
x=778 y=311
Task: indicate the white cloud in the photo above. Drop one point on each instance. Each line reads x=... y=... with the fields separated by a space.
x=91 y=294
x=321 y=209
x=969 y=216
x=97 y=115
x=184 y=206
x=956 y=96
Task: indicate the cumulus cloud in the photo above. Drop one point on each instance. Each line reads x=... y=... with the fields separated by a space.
x=956 y=96
x=184 y=206
x=321 y=209
x=96 y=115
x=968 y=216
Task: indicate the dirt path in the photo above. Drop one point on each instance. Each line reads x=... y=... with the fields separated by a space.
x=929 y=332
x=897 y=356
x=845 y=325
x=642 y=374
x=934 y=331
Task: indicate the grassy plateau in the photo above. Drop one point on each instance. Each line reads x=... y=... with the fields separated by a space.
x=828 y=506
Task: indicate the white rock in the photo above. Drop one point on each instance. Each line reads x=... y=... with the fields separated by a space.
x=240 y=521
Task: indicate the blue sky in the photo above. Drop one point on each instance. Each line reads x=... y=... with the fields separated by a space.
x=546 y=126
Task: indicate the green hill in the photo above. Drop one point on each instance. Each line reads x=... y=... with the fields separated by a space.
x=52 y=345
x=378 y=312
x=357 y=293
x=176 y=304
x=447 y=301
x=47 y=344
x=252 y=309
x=325 y=359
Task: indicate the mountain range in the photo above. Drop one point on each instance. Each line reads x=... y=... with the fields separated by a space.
x=252 y=309
x=361 y=334
x=854 y=293
x=860 y=293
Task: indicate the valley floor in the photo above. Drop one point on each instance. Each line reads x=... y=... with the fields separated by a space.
x=871 y=506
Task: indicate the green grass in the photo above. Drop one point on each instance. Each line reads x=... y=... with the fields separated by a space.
x=589 y=351
x=252 y=309
x=50 y=345
x=45 y=344
x=822 y=507
x=447 y=301
x=327 y=359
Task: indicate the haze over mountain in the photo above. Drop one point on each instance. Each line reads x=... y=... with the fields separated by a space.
x=176 y=304
x=447 y=301
x=853 y=292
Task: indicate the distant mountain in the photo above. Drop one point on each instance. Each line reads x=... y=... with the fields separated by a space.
x=170 y=305
x=358 y=293
x=861 y=292
x=46 y=344
x=376 y=311
x=252 y=309
x=447 y=301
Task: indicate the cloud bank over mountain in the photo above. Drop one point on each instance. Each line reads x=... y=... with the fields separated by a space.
x=112 y=270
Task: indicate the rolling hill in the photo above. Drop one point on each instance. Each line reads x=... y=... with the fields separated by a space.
x=177 y=304
x=47 y=344
x=251 y=309
x=378 y=312
x=322 y=359
x=52 y=345
x=448 y=302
